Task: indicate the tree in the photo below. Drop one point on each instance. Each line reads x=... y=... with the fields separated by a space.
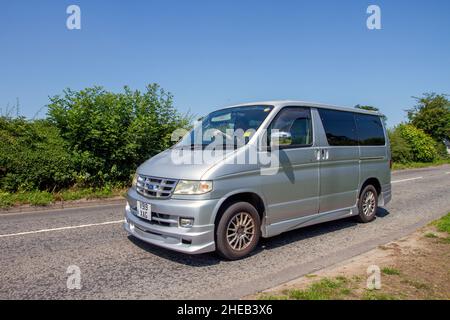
x=110 y=134
x=371 y=108
x=432 y=115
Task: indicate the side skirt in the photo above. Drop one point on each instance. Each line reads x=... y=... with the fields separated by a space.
x=288 y=225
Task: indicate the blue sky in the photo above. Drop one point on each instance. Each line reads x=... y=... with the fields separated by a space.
x=215 y=53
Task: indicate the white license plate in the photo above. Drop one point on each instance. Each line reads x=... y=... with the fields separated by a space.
x=144 y=210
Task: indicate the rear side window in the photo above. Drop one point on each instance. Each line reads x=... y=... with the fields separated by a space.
x=370 y=130
x=340 y=127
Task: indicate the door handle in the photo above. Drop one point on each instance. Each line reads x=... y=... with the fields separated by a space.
x=324 y=154
x=317 y=152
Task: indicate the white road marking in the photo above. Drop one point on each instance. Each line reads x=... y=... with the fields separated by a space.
x=447 y=172
x=410 y=179
x=62 y=228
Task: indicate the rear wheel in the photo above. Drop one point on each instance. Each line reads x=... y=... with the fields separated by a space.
x=238 y=231
x=367 y=204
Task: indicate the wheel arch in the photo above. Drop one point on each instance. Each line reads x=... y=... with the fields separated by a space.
x=371 y=181
x=245 y=196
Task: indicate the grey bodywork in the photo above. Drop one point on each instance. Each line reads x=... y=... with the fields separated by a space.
x=313 y=185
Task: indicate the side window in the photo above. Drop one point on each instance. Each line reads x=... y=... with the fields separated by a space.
x=339 y=127
x=296 y=121
x=370 y=130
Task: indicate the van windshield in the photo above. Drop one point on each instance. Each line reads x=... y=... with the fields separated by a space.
x=231 y=126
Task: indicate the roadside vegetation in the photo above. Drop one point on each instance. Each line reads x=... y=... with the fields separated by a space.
x=92 y=140
x=338 y=288
x=418 y=165
x=443 y=226
x=45 y=198
x=88 y=146
x=412 y=268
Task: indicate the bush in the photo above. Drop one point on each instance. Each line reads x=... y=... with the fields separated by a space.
x=400 y=150
x=423 y=147
x=92 y=138
x=110 y=134
x=32 y=156
x=442 y=150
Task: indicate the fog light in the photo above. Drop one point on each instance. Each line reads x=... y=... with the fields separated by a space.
x=186 y=222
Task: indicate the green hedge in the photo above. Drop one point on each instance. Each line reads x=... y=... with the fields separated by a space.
x=411 y=144
x=109 y=134
x=33 y=155
x=91 y=138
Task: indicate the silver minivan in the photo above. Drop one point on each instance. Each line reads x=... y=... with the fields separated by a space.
x=294 y=164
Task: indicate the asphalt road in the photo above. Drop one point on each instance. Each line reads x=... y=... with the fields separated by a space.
x=37 y=248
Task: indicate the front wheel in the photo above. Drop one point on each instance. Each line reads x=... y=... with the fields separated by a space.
x=368 y=204
x=238 y=231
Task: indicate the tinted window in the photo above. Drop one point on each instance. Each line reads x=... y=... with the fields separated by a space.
x=339 y=127
x=370 y=130
x=296 y=121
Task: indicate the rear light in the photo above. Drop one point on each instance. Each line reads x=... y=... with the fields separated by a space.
x=390 y=164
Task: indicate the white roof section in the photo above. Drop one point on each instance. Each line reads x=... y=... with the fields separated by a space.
x=284 y=103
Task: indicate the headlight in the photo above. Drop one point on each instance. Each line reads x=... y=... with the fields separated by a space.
x=135 y=178
x=193 y=187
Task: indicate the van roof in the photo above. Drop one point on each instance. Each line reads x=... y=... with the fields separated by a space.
x=283 y=103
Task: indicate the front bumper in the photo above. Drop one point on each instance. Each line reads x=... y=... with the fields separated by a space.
x=194 y=240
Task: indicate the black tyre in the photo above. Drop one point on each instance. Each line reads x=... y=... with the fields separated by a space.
x=238 y=231
x=367 y=204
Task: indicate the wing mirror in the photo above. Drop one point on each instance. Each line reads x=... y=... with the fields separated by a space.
x=280 y=139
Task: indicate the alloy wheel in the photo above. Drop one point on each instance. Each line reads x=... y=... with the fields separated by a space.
x=240 y=231
x=369 y=203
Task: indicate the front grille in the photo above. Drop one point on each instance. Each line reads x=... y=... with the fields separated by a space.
x=154 y=187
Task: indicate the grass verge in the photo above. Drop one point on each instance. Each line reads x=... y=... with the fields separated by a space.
x=417 y=165
x=390 y=271
x=338 y=288
x=44 y=198
x=443 y=225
